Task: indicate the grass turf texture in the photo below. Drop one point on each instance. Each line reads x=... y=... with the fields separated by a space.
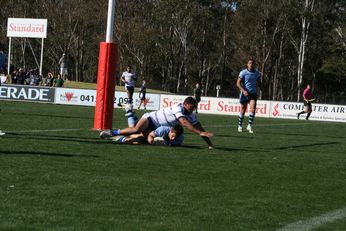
x=287 y=171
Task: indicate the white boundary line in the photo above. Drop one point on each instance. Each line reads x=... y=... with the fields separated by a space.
x=315 y=222
x=46 y=130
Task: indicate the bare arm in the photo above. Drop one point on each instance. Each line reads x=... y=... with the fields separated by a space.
x=151 y=137
x=206 y=139
x=198 y=129
x=241 y=88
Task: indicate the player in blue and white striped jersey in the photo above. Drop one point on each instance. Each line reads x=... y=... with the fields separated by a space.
x=180 y=113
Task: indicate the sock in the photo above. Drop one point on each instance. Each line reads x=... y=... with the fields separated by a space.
x=251 y=118
x=308 y=115
x=122 y=139
x=302 y=112
x=115 y=132
x=240 y=120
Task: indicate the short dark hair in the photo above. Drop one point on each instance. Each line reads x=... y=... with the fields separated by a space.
x=190 y=100
x=251 y=59
x=178 y=129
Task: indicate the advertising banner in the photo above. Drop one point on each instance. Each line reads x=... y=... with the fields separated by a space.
x=27 y=27
x=220 y=106
x=85 y=97
x=71 y=96
x=27 y=93
x=323 y=112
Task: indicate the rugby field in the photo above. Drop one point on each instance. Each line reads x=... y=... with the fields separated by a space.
x=57 y=174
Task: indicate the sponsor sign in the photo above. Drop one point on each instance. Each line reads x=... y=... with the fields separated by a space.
x=220 y=106
x=27 y=27
x=71 y=96
x=323 y=112
x=86 y=97
x=27 y=93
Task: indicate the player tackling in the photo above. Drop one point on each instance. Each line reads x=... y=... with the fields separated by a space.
x=182 y=113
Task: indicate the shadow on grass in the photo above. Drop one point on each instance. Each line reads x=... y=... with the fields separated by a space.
x=7 y=152
x=236 y=136
x=57 y=138
x=303 y=135
x=305 y=145
x=50 y=116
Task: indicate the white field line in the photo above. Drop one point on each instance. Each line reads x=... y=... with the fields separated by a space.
x=47 y=130
x=315 y=222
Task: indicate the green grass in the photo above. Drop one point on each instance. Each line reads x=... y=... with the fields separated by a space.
x=287 y=171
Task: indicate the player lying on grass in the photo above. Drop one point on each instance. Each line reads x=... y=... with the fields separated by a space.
x=182 y=113
x=170 y=136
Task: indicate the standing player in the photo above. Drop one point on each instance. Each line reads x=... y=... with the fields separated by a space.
x=141 y=95
x=181 y=113
x=129 y=79
x=247 y=83
x=308 y=97
x=197 y=93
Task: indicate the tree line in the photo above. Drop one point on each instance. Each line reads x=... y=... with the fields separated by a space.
x=176 y=44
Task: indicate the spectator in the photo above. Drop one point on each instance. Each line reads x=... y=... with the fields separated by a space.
x=3 y=77
x=34 y=78
x=58 y=82
x=2 y=61
x=63 y=62
x=49 y=79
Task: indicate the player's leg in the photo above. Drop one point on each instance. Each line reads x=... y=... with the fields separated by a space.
x=144 y=101
x=130 y=91
x=305 y=110
x=241 y=117
x=243 y=100
x=252 y=113
x=141 y=125
x=309 y=110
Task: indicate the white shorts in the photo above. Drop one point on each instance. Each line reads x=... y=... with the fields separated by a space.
x=63 y=71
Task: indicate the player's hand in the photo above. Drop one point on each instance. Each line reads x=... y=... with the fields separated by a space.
x=207 y=134
x=245 y=93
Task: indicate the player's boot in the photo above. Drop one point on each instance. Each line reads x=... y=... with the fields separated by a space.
x=118 y=139
x=2 y=133
x=249 y=128
x=106 y=134
x=240 y=129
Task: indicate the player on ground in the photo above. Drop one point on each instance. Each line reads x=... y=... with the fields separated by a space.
x=308 y=97
x=247 y=83
x=170 y=136
x=129 y=79
x=181 y=113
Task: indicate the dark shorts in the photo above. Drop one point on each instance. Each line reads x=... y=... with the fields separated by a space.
x=130 y=89
x=142 y=96
x=307 y=104
x=246 y=99
x=151 y=126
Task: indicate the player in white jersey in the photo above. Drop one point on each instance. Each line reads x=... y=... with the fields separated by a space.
x=180 y=113
x=129 y=78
